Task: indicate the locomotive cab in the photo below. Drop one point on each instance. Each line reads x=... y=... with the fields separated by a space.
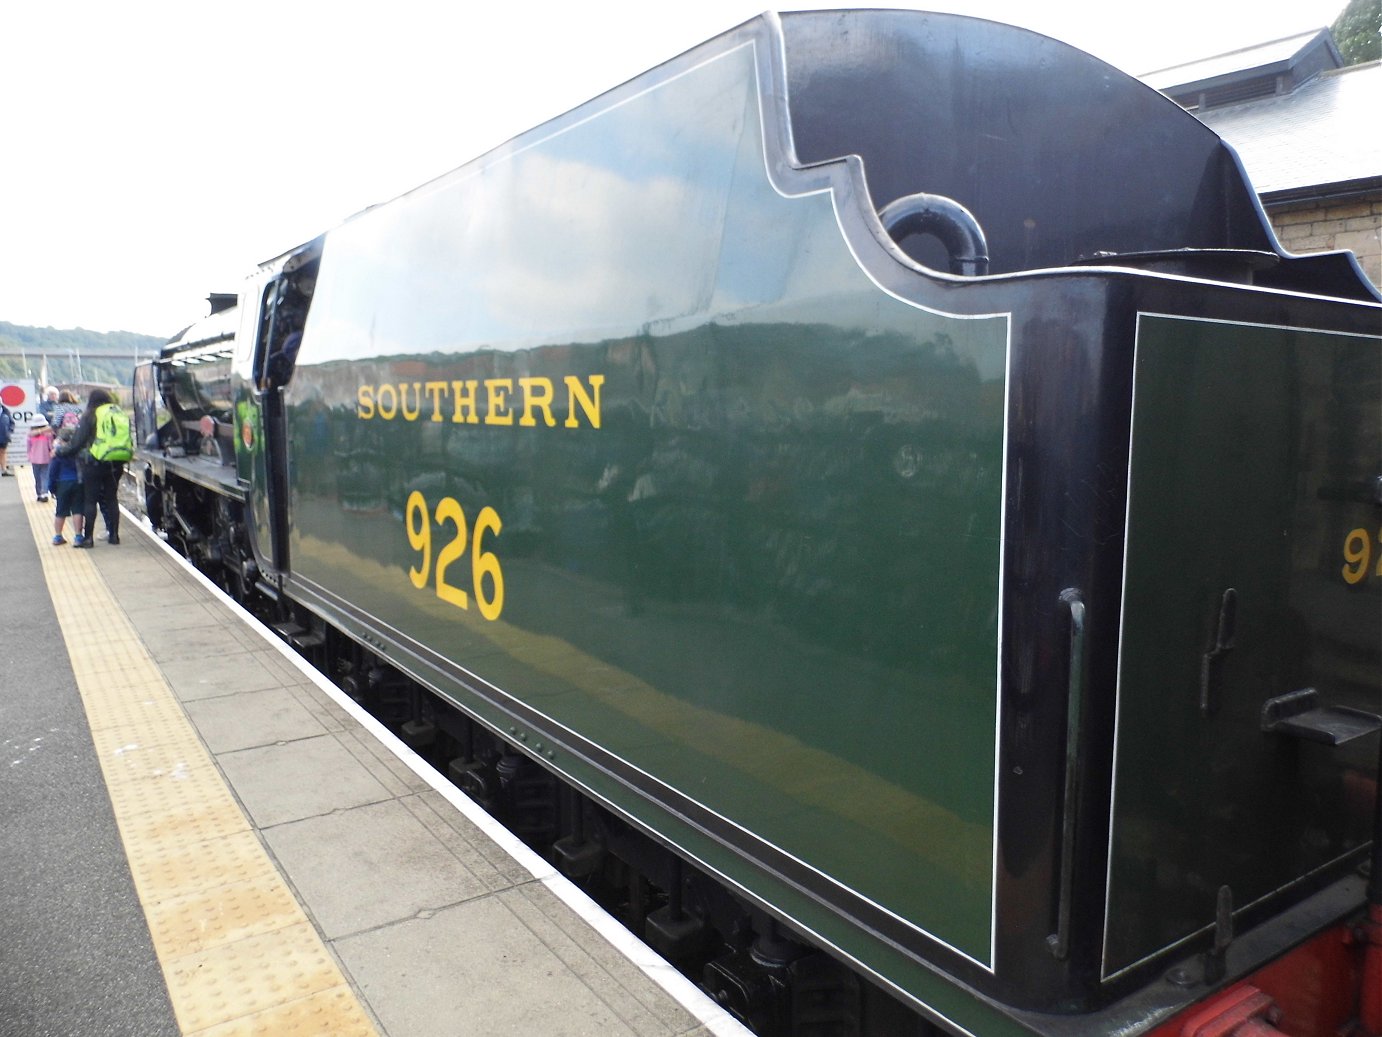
x=192 y=385
x=270 y=339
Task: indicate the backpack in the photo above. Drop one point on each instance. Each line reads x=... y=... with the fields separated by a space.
x=112 y=441
x=67 y=422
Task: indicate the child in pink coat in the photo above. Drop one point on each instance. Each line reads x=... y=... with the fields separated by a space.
x=40 y=453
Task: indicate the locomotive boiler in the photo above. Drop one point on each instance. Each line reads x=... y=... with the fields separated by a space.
x=873 y=499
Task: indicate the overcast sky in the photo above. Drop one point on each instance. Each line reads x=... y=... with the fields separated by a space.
x=154 y=152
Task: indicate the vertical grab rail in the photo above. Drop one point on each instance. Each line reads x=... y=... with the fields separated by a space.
x=1059 y=941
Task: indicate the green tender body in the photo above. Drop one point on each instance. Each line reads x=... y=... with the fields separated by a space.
x=793 y=497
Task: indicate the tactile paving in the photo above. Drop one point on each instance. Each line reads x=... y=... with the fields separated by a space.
x=250 y=975
x=239 y=956
x=326 y=1012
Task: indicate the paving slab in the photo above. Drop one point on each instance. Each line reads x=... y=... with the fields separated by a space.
x=635 y=998
x=140 y=590
x=481 y=857
x=326 y=712
x=386 y=768
x=382 y=839
x=197 y=643
x=251 y=719
x=193 y=679
x=480 y=956
x=154 y=613
x=277 y=784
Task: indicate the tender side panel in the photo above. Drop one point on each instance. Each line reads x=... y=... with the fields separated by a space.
x=615 y=426
x=1253 y=571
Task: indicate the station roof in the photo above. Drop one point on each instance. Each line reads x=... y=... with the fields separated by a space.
x=1300 y=120
x=1270 y=57
x=1322 y=133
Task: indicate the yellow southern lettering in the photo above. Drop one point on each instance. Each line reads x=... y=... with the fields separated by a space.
x=410 y=415
x=590 y=403
x=498 y=390
x=435 y=390
x=464 y=392
x=537 y=395
x=529 y=401
x=387 y=411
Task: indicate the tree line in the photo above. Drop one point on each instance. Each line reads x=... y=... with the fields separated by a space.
x=73 y=355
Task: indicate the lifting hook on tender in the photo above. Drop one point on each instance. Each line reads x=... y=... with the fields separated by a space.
x=948 y=220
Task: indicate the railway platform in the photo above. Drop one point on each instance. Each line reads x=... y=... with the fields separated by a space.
x=201 y=835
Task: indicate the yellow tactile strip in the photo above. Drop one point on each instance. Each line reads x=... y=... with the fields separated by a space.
x=238 y=955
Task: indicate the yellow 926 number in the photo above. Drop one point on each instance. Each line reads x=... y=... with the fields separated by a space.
x=484 y=565
x=1358 y=553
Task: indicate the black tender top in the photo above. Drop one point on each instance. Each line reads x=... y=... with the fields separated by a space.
x=1061 y=157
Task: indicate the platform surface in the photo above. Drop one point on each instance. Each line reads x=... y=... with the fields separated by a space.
x=203 y=837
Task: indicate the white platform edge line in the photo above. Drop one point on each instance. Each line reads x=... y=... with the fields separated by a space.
x=656 y=968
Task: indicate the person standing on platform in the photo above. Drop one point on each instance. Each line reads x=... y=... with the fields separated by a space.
x=66 y=416
x=102 y=444
x=40 y=450
x=64 y=482
x=48 y=403
x=6 y=429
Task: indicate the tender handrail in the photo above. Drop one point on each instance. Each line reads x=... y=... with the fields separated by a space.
x=945 y=219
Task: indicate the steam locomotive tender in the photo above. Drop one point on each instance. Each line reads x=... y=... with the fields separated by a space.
x=885 y=467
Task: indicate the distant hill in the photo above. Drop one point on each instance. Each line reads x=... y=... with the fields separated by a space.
x=73 y=354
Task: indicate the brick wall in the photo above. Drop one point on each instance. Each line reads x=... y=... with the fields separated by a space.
x=1355 y=225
